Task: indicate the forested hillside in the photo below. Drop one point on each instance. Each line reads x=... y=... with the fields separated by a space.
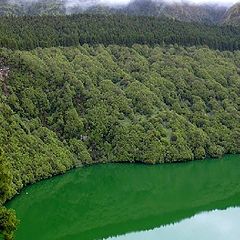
x=183 y=11
x=232 y=16
x=26 y=7
x=28 y=32
x=67 y=107
x=186 y=11
x=180 y=10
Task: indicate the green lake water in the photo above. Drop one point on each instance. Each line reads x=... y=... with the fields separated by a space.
x=198 y=200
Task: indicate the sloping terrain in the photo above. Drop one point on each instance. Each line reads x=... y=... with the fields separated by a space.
x=232 y=16
x=30 y=32
x=181 y=11
x=70 y=106
x=62 y=108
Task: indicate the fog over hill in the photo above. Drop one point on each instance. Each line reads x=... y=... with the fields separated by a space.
x=206 y=11
x=126 y=2
x=232 y=16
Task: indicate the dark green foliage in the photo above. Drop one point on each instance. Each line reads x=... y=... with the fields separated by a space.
x=89 y=104
x=8 y=223
x=8 y=219
x=29 y=32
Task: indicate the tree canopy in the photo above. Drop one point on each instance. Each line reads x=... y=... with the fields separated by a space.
x=29 y=32
x=78 y=105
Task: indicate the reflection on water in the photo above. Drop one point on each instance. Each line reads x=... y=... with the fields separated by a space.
x=115 y=199
x=219 y=225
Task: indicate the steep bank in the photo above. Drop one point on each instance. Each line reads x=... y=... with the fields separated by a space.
x=67 y=107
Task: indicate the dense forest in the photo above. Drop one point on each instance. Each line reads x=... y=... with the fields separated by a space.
x=67 y=107
x=29 y=32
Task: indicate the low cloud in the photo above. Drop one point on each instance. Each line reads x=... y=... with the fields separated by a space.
x=125 y=2
x=89 y=3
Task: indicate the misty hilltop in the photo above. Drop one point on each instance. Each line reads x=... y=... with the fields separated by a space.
x=183 y=11
x=232 y=16
x=180 y=11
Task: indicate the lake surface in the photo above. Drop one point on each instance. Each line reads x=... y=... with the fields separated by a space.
x=196 y=200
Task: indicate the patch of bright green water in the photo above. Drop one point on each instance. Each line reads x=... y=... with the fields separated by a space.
x=134 y=202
